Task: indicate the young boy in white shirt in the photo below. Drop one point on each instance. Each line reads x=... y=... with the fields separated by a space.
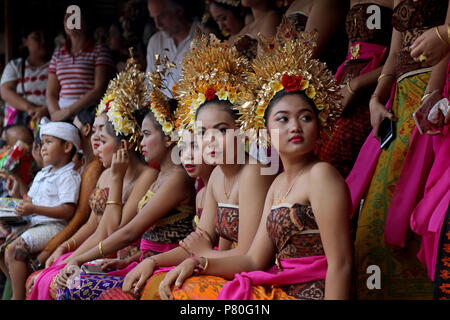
x=50 y=202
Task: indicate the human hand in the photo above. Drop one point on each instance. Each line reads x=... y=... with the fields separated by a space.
x=136 y=278
x=377 y=113
x=71 y=269
x=25 y=208
x=197 y=243
x=38 y=113
x=439 y=116
x=347 y=96
x=177 y=275
x=116 y=264
x=120 y=163
x=431 y=46
x=55 y=255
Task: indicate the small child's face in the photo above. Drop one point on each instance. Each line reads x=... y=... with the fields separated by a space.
x=52 y=150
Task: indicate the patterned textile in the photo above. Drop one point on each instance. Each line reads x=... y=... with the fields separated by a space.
x=403 y=277
x=346 y=140
x=357 y=29
x=247 y=46
x=97 y=200
x=412 y=18
x=295 y=234
x=227 y=222
x=89 y=287
x=442 y=275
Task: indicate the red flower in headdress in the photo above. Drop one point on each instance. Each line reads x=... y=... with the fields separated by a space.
x=210 y=94
x=107 y=105
x=291 y=83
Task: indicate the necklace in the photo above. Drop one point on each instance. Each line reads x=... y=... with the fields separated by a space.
x=279 y=200
x=227 y=194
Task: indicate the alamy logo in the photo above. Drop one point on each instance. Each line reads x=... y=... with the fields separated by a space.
x=374 y=21
x=374 y=281
x=74 y=20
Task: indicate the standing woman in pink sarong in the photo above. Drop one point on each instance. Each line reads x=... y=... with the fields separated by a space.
x=305 y=222
x=357 y=75
x=383 y=237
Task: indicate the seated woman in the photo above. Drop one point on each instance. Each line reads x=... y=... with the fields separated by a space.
x=228 y=15
x=236 y=189
x=165 y=212
x=305 y=223
x=266 y=18
x=190 y=153
x=125 y=178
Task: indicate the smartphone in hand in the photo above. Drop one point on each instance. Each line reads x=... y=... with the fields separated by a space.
x=386 y=132
x=93 y=269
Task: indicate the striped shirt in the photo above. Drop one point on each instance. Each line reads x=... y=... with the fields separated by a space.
x=76 y=74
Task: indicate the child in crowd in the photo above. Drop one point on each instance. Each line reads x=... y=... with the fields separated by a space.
x=49 y=204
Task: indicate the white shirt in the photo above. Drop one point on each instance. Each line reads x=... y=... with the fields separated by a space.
x=35 y=80
x=163 y=44
x=51 y=189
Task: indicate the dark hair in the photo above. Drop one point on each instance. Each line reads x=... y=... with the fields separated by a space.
x=87 y=115
x=74 y=149
x=225 y=104
x=238 y=11
x=283 y=93
x=10 y=126
x=146 y=113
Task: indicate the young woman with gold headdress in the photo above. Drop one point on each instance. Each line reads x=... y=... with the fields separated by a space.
x=305 y=223
x=213 y=83
x=125 y=180
x=164 y=214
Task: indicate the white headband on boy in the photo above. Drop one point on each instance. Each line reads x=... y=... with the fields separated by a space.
x=61 y=130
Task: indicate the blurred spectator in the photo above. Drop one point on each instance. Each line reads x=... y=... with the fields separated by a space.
x=78 y=73
x=24 y=80
x=175 y=20
x=230 y=16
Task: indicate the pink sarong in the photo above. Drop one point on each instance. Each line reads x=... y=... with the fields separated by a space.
x=41 y=287
x=296 y=270
x=367 y=51
x=422 y=193
x=366 y=163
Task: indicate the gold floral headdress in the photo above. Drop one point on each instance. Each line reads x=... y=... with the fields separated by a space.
x=287 y=64
x=159 y=102
x=126 y=93
x=211 y=69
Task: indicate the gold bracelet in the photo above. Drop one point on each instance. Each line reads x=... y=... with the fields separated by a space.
x=67 y=246
x=206 y=264
x=424 y=97
x=100 y=249
x=384 y=75
x=114 y=202
x=349 y=88
x=439 y=36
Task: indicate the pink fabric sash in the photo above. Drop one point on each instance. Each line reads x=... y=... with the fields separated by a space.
x=366 y=163
x=144 y=246
x=41 y=288
x=428 y=216
x=296 y=270
x=375 y=52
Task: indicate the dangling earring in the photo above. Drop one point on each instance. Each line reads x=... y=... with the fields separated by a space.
x=167 y=144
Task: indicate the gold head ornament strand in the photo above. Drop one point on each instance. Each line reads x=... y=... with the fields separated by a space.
x=159 y=102
x=287 y=64
x=211 y=69
x=126 y=93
